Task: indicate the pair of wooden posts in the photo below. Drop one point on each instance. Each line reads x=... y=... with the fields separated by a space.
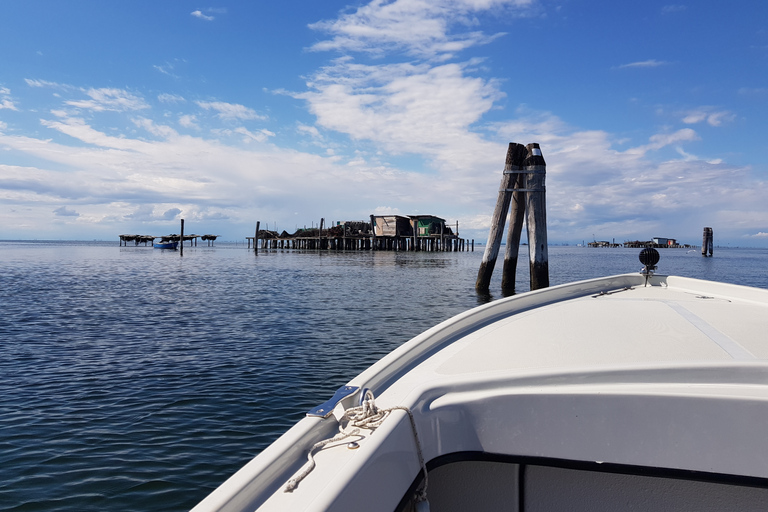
x=522 y=186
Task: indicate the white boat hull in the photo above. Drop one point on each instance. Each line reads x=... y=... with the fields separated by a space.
x=584 y=381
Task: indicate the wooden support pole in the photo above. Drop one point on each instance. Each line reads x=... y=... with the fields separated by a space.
x=181 y=238
x=536 y=210
x=516 y=216
x=373 y=232
x=256 y=238
x=497 y=223
x=707 y=242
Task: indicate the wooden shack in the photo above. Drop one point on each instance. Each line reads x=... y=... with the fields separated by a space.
x=392 y=225
x=429 y=225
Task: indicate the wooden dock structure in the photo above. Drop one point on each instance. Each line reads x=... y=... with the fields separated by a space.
x=382 y=233
x=149 y=239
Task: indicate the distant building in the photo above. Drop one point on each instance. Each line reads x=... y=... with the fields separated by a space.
x=664 y=242
x=429 y=225
x=392 y=225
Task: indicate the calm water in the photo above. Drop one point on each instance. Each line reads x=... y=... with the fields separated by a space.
x=135 y=379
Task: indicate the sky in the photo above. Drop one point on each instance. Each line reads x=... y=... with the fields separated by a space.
x=125 y=117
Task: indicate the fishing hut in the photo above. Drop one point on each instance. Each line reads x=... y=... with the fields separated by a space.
x=381 y=232
x=209 y=238
x=136 y=239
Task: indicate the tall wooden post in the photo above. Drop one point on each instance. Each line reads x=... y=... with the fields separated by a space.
x=707 y=242
x=415 y=226
x=536 y=209
x=256 y=238
x=320 y=234
x=497 y=222
x=181 y=239
x=516 y=215
x=373 y=232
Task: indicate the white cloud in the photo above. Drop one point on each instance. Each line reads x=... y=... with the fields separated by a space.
x=199 y=14
x=65 y=212
x=403 y=108
x=166 y=69
x=171 y=98
x=667 y=9
x=651 y=63
x=258 y=136
x=712 y=116
x=312 y=131
x=189 y=121
x=5 y=103
x=385 y=25
x=230 y=111
x=109 y=99
x=45 y=83
x=165 y=132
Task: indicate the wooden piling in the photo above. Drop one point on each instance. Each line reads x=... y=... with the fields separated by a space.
x=516 y=215
x=181 y=239
x=536 y=209
x=707 y=242
x=373 y=232
x=256 y=238
x=497 y=223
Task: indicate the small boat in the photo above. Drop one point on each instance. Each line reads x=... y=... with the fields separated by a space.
x=166 y=245
x=629 y=392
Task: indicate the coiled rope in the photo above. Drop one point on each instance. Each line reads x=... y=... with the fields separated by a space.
x=365 y=416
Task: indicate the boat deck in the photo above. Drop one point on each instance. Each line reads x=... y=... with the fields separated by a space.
x=608 y=373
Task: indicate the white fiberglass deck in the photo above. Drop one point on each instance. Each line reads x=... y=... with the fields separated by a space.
x=609 y=372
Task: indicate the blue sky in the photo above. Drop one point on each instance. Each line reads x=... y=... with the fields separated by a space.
x=123 y=117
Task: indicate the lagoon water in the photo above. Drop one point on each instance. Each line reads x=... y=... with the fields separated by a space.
x=133 y=378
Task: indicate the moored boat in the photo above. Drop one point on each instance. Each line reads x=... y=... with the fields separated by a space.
x=166 y=245
x=629 y=392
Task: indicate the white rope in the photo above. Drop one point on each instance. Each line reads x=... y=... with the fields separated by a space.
x=366 y=416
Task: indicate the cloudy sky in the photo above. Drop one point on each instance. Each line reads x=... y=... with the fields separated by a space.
x=124 y=117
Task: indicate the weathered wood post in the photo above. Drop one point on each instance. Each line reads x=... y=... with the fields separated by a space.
x=707 y=242
x=181 y=238
x=256 y=238
x=536 y=209
x=373 y=232
x=497 y=223
x=320 y=234
x=516 y=216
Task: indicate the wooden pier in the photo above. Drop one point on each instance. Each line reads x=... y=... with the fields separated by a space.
x=149 y=239
x=382 y=233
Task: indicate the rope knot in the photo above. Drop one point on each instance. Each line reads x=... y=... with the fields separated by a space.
x=365 y=416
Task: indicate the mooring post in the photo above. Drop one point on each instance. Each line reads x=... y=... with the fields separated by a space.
x=707 y=242
x=536 y=209
x=181 y=239
x=415 y=227
x=256 y=238
x=497 y=224
x=320 y=234
x=373 y=232
x=516 y=216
